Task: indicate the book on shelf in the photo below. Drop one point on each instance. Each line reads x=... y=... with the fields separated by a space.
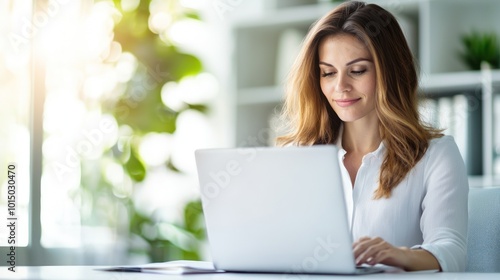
x=450 y=113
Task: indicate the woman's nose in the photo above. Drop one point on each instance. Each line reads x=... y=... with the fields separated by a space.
x=342 y=84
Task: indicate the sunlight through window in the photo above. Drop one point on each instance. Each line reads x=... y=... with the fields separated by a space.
x=15 y=93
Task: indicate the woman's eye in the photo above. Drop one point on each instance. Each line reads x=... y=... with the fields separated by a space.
x=326 y=74
x=358 y=72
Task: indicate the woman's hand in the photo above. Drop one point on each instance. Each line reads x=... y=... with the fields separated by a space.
x=376 y=250
x=373 y=251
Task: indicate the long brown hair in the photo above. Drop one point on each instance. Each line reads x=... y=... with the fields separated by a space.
x=309 y=117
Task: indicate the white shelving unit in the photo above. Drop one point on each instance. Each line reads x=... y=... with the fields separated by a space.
x=433 y=29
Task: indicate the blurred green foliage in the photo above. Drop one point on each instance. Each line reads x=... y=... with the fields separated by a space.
x=480 y=47
x=141 y=108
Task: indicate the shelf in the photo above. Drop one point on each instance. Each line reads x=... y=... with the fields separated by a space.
x=434 y=84
x=305 y=14
x=443 y=24
x=456 y=81
x=266 y=35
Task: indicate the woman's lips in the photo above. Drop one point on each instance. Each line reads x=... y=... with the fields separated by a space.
x=346 y=102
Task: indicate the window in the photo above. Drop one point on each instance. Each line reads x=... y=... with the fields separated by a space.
x=103 y=121
x=15 y=96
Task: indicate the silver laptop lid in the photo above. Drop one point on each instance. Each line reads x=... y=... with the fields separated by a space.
x=275 y=209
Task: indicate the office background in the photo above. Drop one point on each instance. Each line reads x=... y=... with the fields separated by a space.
x=104 y=102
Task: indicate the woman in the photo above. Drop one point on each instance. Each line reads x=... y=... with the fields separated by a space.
x=354 y=84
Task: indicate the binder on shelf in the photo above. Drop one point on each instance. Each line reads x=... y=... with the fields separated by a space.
x=460 y=123
x=496 y=134
x=428 y=109
x=445 y=115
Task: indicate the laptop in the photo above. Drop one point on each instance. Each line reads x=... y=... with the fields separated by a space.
x=276 y=210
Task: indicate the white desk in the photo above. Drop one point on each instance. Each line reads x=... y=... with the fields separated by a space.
x=88 y=272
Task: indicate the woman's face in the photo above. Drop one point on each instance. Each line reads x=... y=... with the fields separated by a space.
x=347 y=77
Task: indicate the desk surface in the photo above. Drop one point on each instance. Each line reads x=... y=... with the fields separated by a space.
x=89 y=272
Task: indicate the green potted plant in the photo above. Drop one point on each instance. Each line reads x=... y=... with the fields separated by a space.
x=479 y=47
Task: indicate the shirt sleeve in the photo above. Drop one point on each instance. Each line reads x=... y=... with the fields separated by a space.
x=444 y=206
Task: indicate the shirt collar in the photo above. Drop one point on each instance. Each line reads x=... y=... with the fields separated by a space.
x=378 y=153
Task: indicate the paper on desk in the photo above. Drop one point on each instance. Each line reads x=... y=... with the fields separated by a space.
x=172 y=267
x=393 y=269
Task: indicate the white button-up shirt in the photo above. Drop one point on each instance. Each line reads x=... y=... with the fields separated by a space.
x=427 y=210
